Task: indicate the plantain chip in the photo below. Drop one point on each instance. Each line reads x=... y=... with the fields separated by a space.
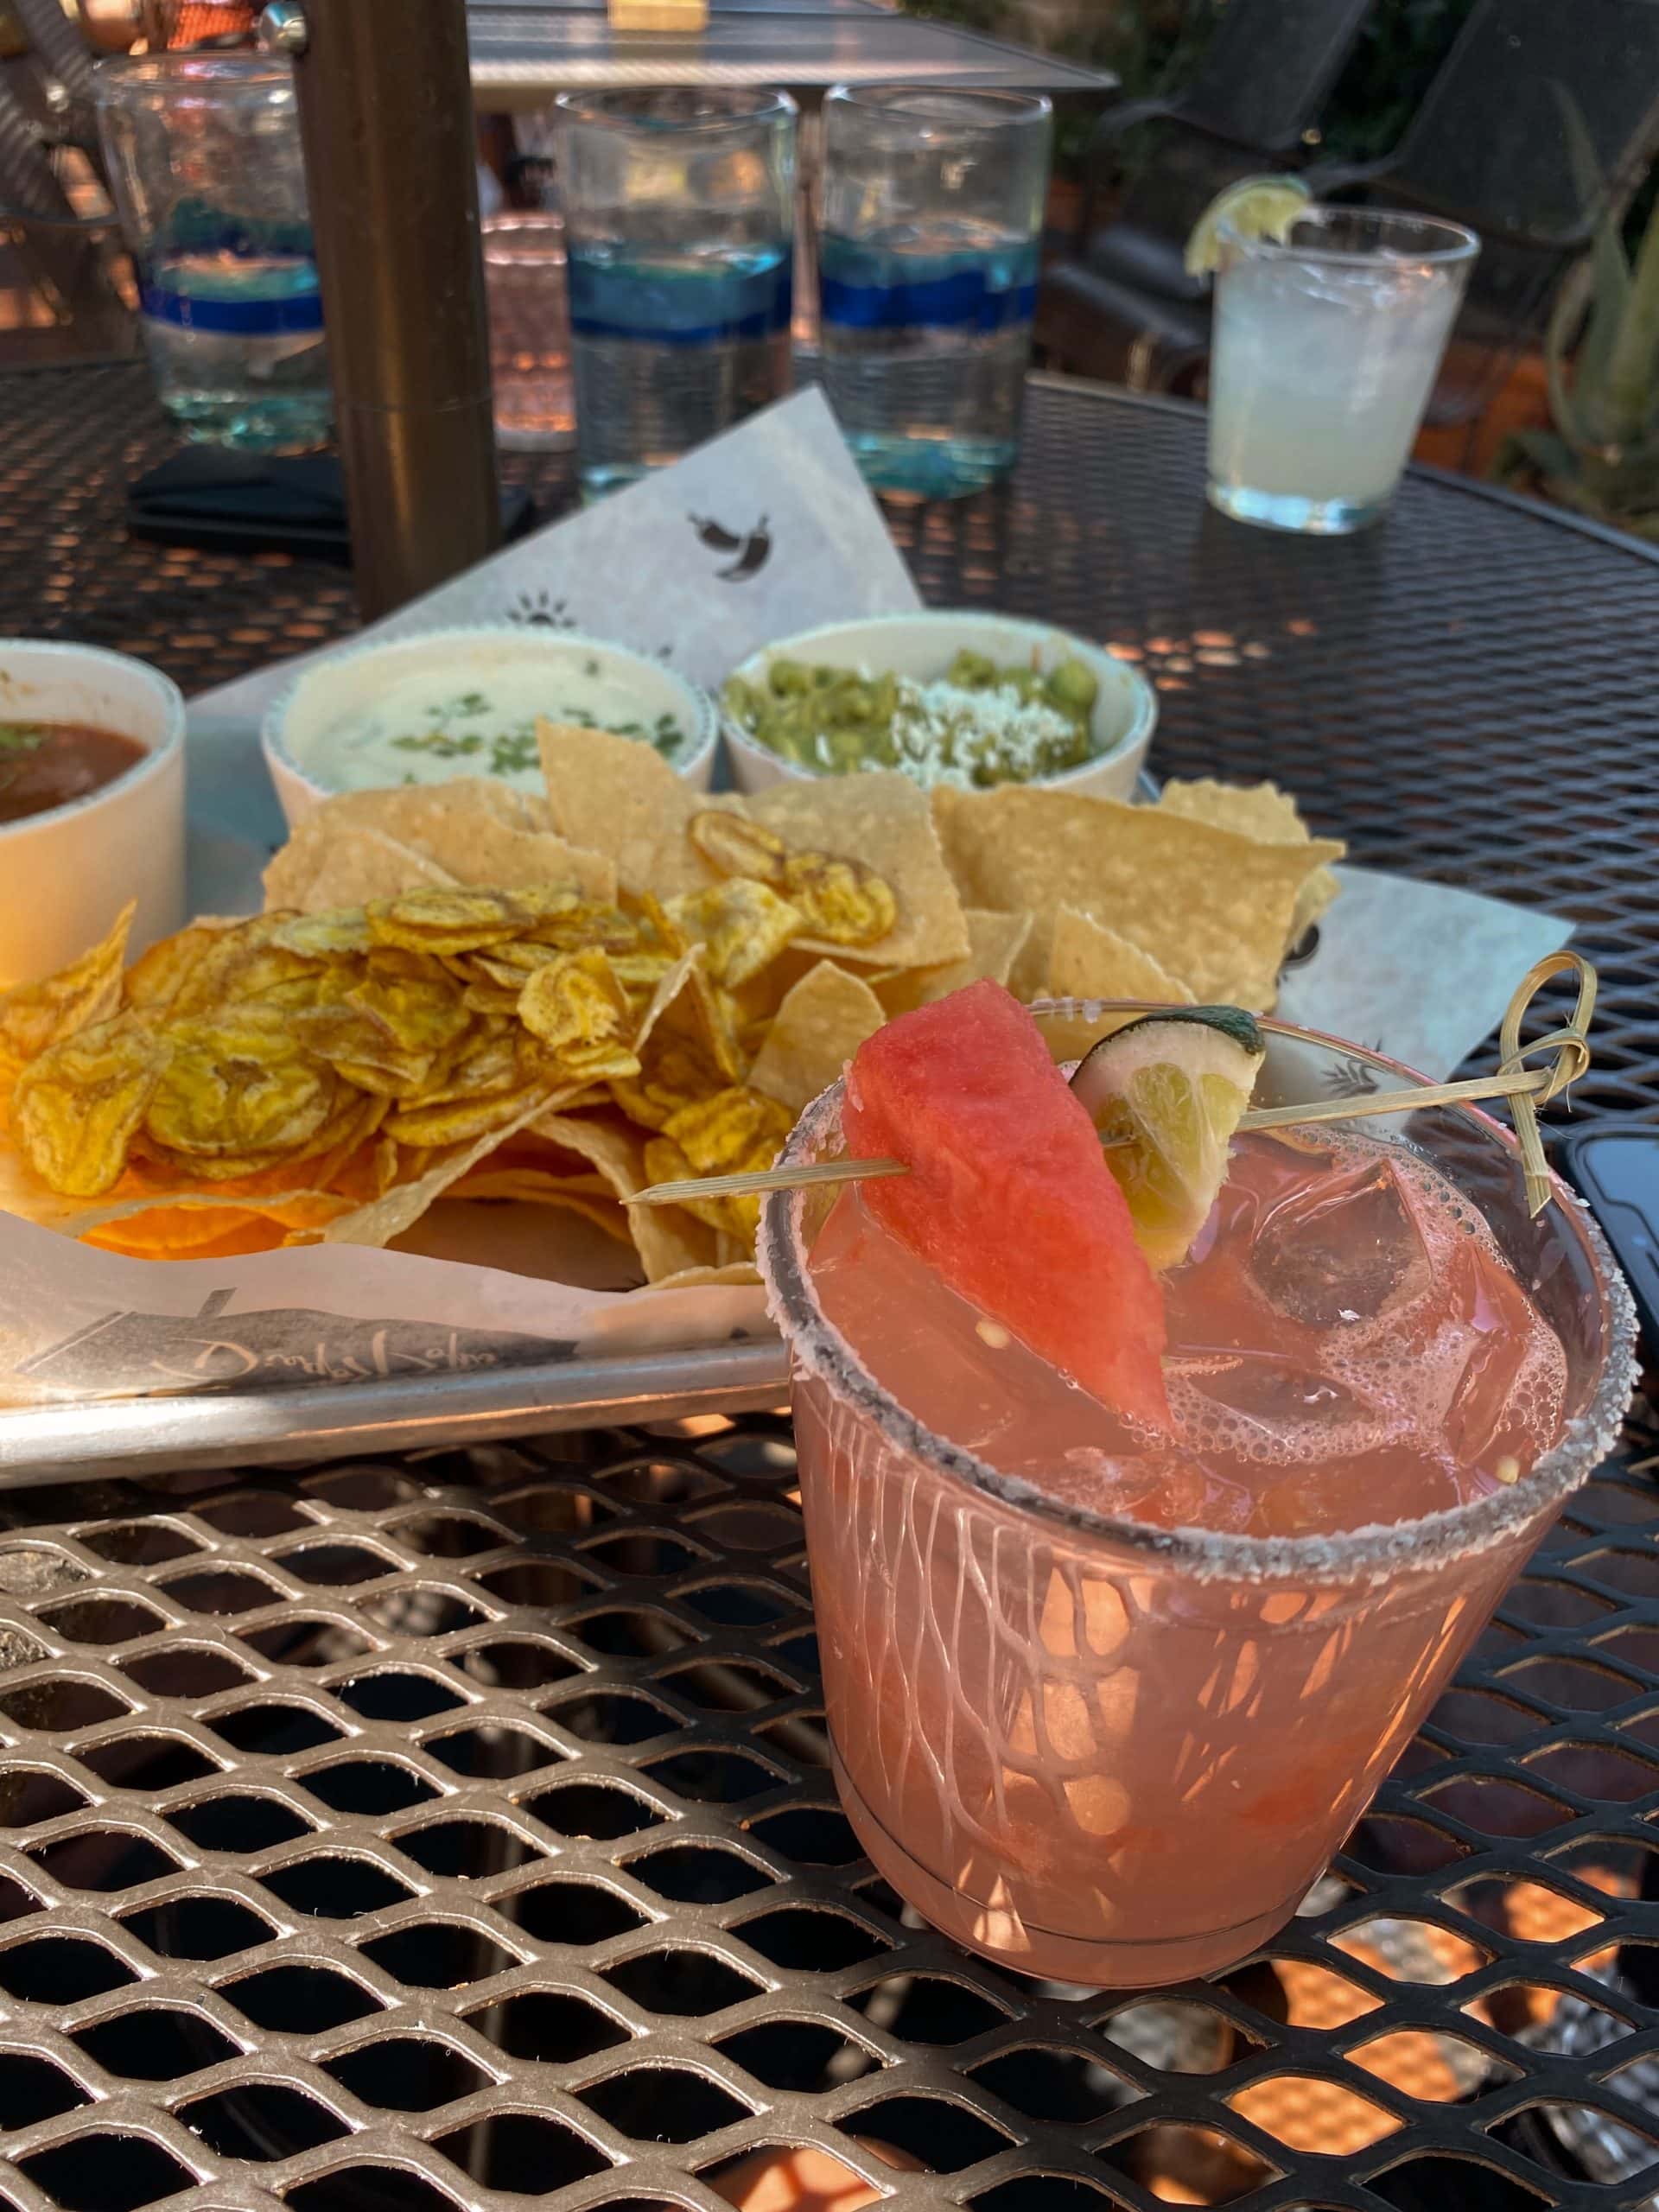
x=79 y=1104
x=840 y=900
x=34 y=1016
x=236 y=1083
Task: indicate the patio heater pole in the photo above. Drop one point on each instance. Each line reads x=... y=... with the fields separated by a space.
x=386 y=118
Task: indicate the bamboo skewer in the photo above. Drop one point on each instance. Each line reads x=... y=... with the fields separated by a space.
x=1525 y=1088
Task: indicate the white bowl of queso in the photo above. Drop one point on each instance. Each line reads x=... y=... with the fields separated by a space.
x=92 y=803
x=465 y=702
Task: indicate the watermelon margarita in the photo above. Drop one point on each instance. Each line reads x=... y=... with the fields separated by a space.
x=1109 y=1672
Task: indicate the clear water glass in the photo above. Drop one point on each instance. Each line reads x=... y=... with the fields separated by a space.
x=679 y=233
x=204 y=159
x=1041 y=1719
x=1324 y=352
x=525 y=290
x=929 y=241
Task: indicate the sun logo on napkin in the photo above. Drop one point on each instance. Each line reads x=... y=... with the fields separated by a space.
x=541 y=609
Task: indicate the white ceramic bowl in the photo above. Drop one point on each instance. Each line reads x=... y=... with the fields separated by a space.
x=923 y=646
x=294 y=735
x=66 y=874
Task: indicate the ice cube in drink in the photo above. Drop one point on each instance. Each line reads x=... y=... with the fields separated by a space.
x=1346 y=1345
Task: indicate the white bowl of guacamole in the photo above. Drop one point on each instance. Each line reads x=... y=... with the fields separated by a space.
x=465 y=702
x=962 y=697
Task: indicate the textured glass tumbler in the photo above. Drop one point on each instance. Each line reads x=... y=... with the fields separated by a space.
x=679 y=211
x=1324 y=353
x=1119 y=1756
x=928 y=249
x=204 y=159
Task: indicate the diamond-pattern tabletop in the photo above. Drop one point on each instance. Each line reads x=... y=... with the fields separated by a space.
x=455 y=1831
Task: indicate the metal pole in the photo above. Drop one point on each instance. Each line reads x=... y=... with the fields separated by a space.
x=386 y=117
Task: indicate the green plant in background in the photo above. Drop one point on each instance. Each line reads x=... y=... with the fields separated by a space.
x=1601 y=353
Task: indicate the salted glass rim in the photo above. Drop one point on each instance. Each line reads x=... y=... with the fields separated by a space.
x=1462 y=244
x=734 y=107
x=1431 y=1541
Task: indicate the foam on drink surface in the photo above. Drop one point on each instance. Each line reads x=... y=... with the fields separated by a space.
x=1347 y=1346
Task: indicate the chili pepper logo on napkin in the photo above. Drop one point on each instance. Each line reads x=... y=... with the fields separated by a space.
x=752 y=548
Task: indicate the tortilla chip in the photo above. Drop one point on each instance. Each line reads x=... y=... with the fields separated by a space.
x=322 y=867
x=884 y=821
x=460 y=830
x=669 y=1240
x=401 y=1206
x=1086 y=960
x=607 y=1142
x=733 y=1275
x=622 y=799
x=994 y=942
x=817 y=1029
x=1212 y=908
x=615 y=796
x=1258 y=811
x=192 y=1224
x=513 y=809
x=666 y=1238
x=476 y=846
x=255 y=1235
x=1069 y=1036
x=538 y=1187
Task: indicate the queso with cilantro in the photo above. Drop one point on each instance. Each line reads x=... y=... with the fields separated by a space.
x=425 y=727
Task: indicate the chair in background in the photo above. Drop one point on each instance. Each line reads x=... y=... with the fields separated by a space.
x=1541 y=120
x=1494 y=145
x=1122 y=298
x=61 y=260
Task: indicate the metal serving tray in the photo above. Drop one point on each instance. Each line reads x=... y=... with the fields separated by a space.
x=232 y=827
x=300 y=1423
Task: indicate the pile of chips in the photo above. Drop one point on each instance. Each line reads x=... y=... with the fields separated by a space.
x=458 y=992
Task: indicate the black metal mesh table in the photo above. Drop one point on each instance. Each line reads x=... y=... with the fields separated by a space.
x=456 y=1832
x=1470 y=692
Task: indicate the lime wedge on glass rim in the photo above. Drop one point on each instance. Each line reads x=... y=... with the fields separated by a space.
x=1256 y=207
x=1166 y=1093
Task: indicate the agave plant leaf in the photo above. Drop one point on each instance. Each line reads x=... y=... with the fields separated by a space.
x=1625 y=485
x=1525 y=450
x=1570 y=409
x=1610 y=289
x=1632 y=373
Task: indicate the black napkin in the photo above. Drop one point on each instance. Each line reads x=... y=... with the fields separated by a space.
x=261 y=503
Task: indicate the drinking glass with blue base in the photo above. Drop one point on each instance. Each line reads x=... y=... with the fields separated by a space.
x=205 y=164
x=679 y=221
x=928 y=250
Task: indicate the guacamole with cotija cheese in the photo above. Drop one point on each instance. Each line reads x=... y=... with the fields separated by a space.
x=977 y=725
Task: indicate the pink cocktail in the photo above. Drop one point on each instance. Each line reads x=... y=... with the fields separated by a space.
x=1103 y=1703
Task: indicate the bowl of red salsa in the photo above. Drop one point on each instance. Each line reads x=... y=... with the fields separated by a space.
x=92 y=802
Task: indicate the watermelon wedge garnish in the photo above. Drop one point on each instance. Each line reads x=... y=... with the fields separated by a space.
x=1009 y=1198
